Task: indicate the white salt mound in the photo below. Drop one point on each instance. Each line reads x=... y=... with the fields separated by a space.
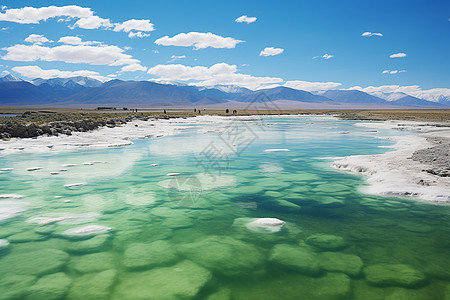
x=265 y=224
x=34 y=169
x=6 y=169
x=14 y=196
x=173 y=174
x=4 y=244
x=276 y=150
x=74 y=184
x=87 y=230
x=68 y=219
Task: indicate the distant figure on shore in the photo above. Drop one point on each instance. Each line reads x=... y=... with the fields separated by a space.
x=165 y=112
x=234 y=112
x=227 y=111
x=195 y=109
x=199 y=112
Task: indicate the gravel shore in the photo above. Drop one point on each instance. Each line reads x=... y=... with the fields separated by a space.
x=438 y=156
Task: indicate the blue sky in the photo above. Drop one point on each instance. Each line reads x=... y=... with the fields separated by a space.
x=305 y=31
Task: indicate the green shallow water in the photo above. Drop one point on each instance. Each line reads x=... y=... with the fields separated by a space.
x=185 y=237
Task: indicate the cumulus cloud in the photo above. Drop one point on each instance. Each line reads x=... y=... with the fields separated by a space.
x=84 y=15
x=311 y=86
x=271 y=51
x=94 y=55
x=392 y=72
x=414 y=90
x=133 y=24
x=245 y=19
x=32 y=15
x=74 y=40
x=133 y=68
x=37 y=39
x=176 y=57
x=369 y=34
x=138 y=34
x=93 y=22
x=325 y=56
x=37 y=72
x=220 y=73
x=198 y=40
x=398 y=55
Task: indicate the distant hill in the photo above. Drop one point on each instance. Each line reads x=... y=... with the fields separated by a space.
x=10 y=78
x=142 y=93
x=413 y=101
x=88 y=92
x=68 y=82
x=282 y=93
x=352 y=96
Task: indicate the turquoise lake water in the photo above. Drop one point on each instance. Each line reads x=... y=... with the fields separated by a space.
x=191 y=236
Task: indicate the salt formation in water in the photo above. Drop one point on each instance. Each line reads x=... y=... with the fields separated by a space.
x=394 y=275
x=277 y=150
x=326 y=241
x=34 y=169
x=86 y=230
x=181 y=281
x=94 y=262
x=74 y=184
x=341 y=262
x=54 y=286
x=229 y=257
x=300 y=259
x=141 y=255
x=4 y=244
x=14 y=196
x=11 y=209
x=37 y=262
x=265 y=224
x=67 y=219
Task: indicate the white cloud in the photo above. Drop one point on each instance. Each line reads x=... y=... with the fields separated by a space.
x=133 y=68
x=37 y=39
x=37 y=72
x=176 y=57
x=85 y=16
x=93 y=22
x=245 y=19
x=32 y=15
x=220 y=73
x=311 y=86
x=398 y=55
x=94 y=55
x=3 y=7
x=198 y=40
x=133 y=24
x=369 y=34
x=138 y=34
x=325 y=56
x=74 y=40
x=413 y=90
x=392 y=72
x=271 y=51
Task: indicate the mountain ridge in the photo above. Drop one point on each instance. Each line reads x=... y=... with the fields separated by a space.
x=85 y=91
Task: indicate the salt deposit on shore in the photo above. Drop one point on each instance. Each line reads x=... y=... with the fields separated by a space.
x=106 y=137
x=395 y=173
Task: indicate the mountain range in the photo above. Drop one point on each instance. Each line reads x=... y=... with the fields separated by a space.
x=88 y=93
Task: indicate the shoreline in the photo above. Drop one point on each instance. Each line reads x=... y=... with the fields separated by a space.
x=406 y=171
